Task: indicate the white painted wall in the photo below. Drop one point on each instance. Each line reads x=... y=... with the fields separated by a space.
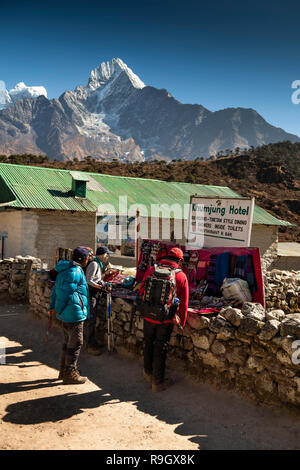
x=11 y=222
x=39 y=233
x=62 y=229
x=265 y=237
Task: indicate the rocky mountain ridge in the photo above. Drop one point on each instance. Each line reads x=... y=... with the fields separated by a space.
x=115 y=115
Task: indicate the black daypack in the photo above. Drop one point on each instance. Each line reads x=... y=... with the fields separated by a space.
x=157 y=300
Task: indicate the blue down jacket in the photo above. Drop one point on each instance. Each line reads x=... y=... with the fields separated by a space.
x=70 y=295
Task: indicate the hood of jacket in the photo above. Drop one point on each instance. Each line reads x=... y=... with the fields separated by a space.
x=63 y=265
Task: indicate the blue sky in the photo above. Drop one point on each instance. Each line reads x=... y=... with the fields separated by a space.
x=219 y=54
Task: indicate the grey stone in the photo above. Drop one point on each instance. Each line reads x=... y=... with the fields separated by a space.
x=198 y=322
x=255 y=363
x=275 y=315
x=290 y=325
x=187 y=344
x=218 y=348
x=250 y=326
x=233 y=315
x=236 y=356
x=265 y=383
x=200 y=341
x=269 y=330
x=287 y=342
x=216 y=362
x=284 y=357
x=127 y=307
x=226 y=332
x=217 y=323
x=254 y=310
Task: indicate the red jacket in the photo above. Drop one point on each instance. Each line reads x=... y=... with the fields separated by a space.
x=182 y=291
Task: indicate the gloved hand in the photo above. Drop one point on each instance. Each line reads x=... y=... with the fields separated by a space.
x=176 y=320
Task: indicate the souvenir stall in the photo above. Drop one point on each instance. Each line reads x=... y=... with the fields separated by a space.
x=218 y=276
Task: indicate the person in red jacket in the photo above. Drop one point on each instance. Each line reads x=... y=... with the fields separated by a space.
x=157 y=334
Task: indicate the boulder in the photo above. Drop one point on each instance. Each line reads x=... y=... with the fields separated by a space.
x=200 y=341
x=269 y=330
x=250 y=326
x=254 y=310
x=275 y=315
x=236 y=356
x=198 y=322
x=290 y=325
x=217 y=323
x=218 y=348
x=233 y=315
x=226 y=332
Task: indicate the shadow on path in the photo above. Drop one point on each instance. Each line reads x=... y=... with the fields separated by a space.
x=210 y=418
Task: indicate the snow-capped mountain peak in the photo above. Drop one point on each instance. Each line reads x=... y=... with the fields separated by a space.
x=108 y=71
x=23 y=91
x=5 y=99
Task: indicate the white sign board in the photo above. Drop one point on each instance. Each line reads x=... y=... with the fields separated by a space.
x=220 y=221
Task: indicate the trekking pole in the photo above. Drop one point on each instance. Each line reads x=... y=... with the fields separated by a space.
x=49 y=325
x=111 y=323
x=108 y=323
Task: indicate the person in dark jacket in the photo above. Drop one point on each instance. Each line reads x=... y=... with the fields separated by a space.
x=157 y=334
x=94 y=276
x=70 y=303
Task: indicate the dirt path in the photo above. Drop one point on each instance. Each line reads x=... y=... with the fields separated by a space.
x=116 y=409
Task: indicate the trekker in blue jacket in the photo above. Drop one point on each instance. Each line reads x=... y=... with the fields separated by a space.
x=70 y=303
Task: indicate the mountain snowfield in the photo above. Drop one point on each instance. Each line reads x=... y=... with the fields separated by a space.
x=116 y=115
x=18 y=92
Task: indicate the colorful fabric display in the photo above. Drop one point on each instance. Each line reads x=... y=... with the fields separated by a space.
x=201 y=270
x=222 y=267
x=244 y=269
x=211 y=275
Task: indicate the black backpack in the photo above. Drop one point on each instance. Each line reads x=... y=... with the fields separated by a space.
x=157 y=299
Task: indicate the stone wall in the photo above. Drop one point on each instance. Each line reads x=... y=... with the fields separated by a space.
x=282 y=290
x=39 y=292
x=14 y=275
x=249 y=350
x=287 y=263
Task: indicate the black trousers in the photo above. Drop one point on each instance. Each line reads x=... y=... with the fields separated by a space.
x=91 y=322
x=156 y=337
x=90 y=327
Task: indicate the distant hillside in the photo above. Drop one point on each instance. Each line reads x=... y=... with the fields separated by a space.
x=271 y=173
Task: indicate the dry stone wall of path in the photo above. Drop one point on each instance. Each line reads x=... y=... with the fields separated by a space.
x=14 y=275
x=282 y=290
x=253 y=350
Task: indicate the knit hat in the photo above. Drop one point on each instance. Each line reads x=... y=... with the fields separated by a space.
x=80 y=253
x=176 y=253
x=91 y=251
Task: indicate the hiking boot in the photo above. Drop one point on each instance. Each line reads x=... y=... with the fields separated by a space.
x=94 y=350
x=72 y=376
x=162 y=385
x=147 y=377
x=61 y=373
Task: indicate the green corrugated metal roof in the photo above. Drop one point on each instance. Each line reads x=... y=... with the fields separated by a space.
x=45 y=188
